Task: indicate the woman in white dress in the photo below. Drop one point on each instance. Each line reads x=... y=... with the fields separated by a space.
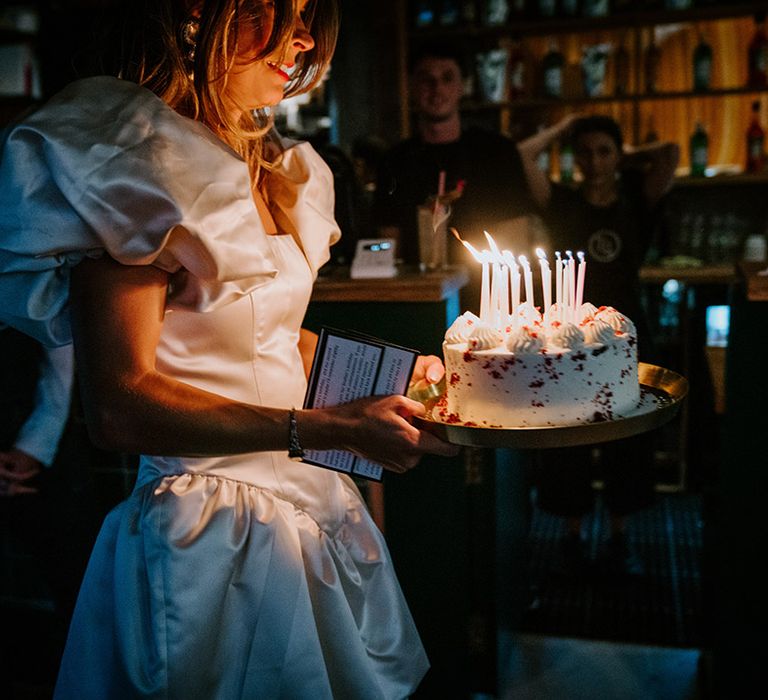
x=156 y=217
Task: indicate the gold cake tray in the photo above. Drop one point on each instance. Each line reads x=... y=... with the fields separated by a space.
x=661 y=394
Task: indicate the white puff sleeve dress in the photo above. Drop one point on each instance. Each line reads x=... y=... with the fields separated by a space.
x=244 y=576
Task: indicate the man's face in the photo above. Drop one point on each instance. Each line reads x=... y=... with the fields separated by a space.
x=437 y=89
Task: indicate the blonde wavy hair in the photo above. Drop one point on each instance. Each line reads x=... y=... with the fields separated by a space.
x=147 y=45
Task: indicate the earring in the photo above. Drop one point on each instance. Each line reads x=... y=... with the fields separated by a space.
x=189 y=31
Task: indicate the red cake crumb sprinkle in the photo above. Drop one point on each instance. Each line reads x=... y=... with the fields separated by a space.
x=470 y=424
x=452 y=418
x=455 y=379
x=495 y=374
x=469 y=357
x=536 y=384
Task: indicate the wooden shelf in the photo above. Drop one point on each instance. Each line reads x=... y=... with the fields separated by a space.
x=546 y=102
x=575 y=25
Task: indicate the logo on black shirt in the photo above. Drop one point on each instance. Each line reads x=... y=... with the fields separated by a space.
x=604 y=245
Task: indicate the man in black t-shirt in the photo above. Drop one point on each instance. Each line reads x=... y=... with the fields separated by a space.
x=483 y=165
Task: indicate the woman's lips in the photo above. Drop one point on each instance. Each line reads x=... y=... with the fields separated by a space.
x=279 y=70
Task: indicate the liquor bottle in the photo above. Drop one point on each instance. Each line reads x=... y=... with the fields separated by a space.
x=468 y=13
x=566 y=161
x=518 y=73
x=547 y=8
x=552 y=69
x=702 y=65
x=699 y=151
x=449 y=13
x=544 y=159
x=755 y=142
x=651 y=65
x=621 y=69
x=569 y=8
x=758 y=55
x=595 y=8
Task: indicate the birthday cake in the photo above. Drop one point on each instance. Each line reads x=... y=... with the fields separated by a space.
x=512 y=366
x=540 y=371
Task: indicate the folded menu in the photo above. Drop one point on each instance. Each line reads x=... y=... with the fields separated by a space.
x=348 y=366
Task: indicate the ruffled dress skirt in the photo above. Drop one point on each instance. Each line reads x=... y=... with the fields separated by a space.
x=206 y=587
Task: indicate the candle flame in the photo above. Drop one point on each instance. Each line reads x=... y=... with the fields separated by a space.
x=580 y=256
x=557 y=255
x=509 y=259
x=569 y=254
x=523 y=261
x=494 y=255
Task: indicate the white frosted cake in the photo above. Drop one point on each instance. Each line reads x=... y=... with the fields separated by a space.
x=540 y=371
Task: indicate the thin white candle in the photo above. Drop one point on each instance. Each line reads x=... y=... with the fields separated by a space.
x=483 y=259
x=546 y=279
x=558 y=280
x=514 y=279
x=495 y=293
x=485 y=301
x=571 y=277
x=504 y=306
x=580 y=282
x=528 y=279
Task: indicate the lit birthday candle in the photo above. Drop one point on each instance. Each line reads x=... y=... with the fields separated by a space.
x=514 y=279
x=497 y=287
x=570 y=267
x=528 y=279
x=484 y=258
x=546 y=279
x=558 y=280
x=580 y=281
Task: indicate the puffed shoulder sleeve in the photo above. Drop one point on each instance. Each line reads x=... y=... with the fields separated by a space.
x=301 y=194
x=106 y=166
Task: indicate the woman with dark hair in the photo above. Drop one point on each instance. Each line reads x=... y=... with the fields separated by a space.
x=609 y=215
x=154 y=215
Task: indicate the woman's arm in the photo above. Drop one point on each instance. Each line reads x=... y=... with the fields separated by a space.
x=117 y=317
x=658 y=162
x=530 y=149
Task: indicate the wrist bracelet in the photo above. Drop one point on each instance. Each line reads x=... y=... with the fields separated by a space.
x=295 y=451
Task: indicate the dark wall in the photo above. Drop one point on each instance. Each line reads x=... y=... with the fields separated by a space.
x=364 y=73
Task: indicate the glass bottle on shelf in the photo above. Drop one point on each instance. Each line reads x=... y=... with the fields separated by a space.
x=621 y=68
x=566 y=161
x=596 y=8
x=758 y=55
x=449 y=13
x=552 y=71
x=702 y=65
x=544 y=159
x=652 y=60
x=546 y=8
x=755 y=142
x=570 y=8
x=468 y=12
x=518 y=69
x=699 y=151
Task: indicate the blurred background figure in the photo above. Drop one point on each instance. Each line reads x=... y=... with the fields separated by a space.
x=610 y=216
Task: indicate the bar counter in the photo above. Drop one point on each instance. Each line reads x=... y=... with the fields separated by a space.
x=409 y=285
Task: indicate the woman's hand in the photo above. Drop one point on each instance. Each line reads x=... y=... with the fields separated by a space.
x=17 y=468
x=428 y=370
x=377 y=428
